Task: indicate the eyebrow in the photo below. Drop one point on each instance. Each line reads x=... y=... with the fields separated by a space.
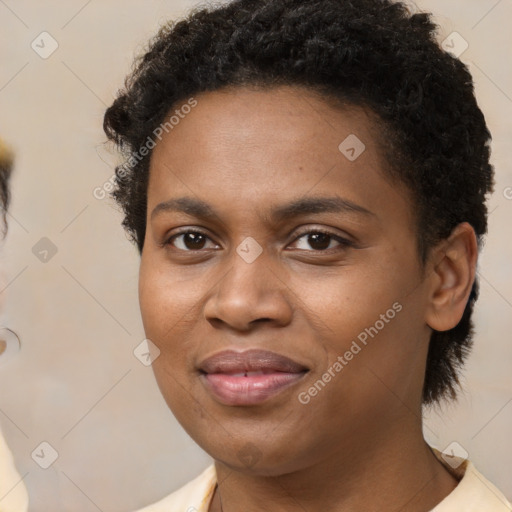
x=303 y=206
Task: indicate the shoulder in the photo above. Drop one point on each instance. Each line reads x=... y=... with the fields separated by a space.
x=474 y=493
x=194 y=496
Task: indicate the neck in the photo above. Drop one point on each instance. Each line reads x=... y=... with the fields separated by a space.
x=399 y=473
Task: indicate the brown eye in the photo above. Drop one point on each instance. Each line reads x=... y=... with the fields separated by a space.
x=188 y=241
x=322 y=240
x=319 y=241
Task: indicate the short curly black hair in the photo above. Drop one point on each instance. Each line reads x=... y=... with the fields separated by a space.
x=371 y=53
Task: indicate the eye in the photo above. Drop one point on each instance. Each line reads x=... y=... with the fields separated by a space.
x=189 y=241
x=317 y=239
x=321 y=240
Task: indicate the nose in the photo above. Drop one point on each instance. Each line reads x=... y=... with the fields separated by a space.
x=249 y=293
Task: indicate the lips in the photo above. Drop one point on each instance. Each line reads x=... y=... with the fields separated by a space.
x=249 y=377
x=265 y=361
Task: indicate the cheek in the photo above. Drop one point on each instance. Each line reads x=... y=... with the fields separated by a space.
x=153 y=303
x=166 y=309
x=171 y=307
x=371 y=320
x=166 y=303
x=383 y=354
x=341 y=304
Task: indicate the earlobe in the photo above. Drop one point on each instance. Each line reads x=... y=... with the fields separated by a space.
x=451 y=278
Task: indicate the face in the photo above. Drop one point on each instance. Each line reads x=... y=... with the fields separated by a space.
x=287 y=243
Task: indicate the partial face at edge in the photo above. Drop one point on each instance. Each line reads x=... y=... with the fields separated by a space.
x=307 y=296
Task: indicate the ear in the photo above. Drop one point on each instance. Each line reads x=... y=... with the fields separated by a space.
x=451 y=278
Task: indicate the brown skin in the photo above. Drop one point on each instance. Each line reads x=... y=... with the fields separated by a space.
x=358 y=444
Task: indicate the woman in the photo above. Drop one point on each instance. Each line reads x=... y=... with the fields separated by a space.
x=13 y=494
x=306 y=185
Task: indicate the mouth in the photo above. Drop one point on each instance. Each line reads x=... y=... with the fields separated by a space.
x=250 y=377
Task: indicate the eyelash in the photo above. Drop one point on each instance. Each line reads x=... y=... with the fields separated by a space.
x=344 y=243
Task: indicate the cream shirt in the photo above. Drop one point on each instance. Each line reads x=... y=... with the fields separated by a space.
x=474 y=493
x=13 y=494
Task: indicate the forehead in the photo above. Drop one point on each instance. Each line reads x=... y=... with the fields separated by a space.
x=252 y=147
x=285 y=117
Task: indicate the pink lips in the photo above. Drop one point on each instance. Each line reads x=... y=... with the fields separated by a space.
x=250 y=377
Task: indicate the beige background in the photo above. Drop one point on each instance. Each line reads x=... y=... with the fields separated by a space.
x=76 y=383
